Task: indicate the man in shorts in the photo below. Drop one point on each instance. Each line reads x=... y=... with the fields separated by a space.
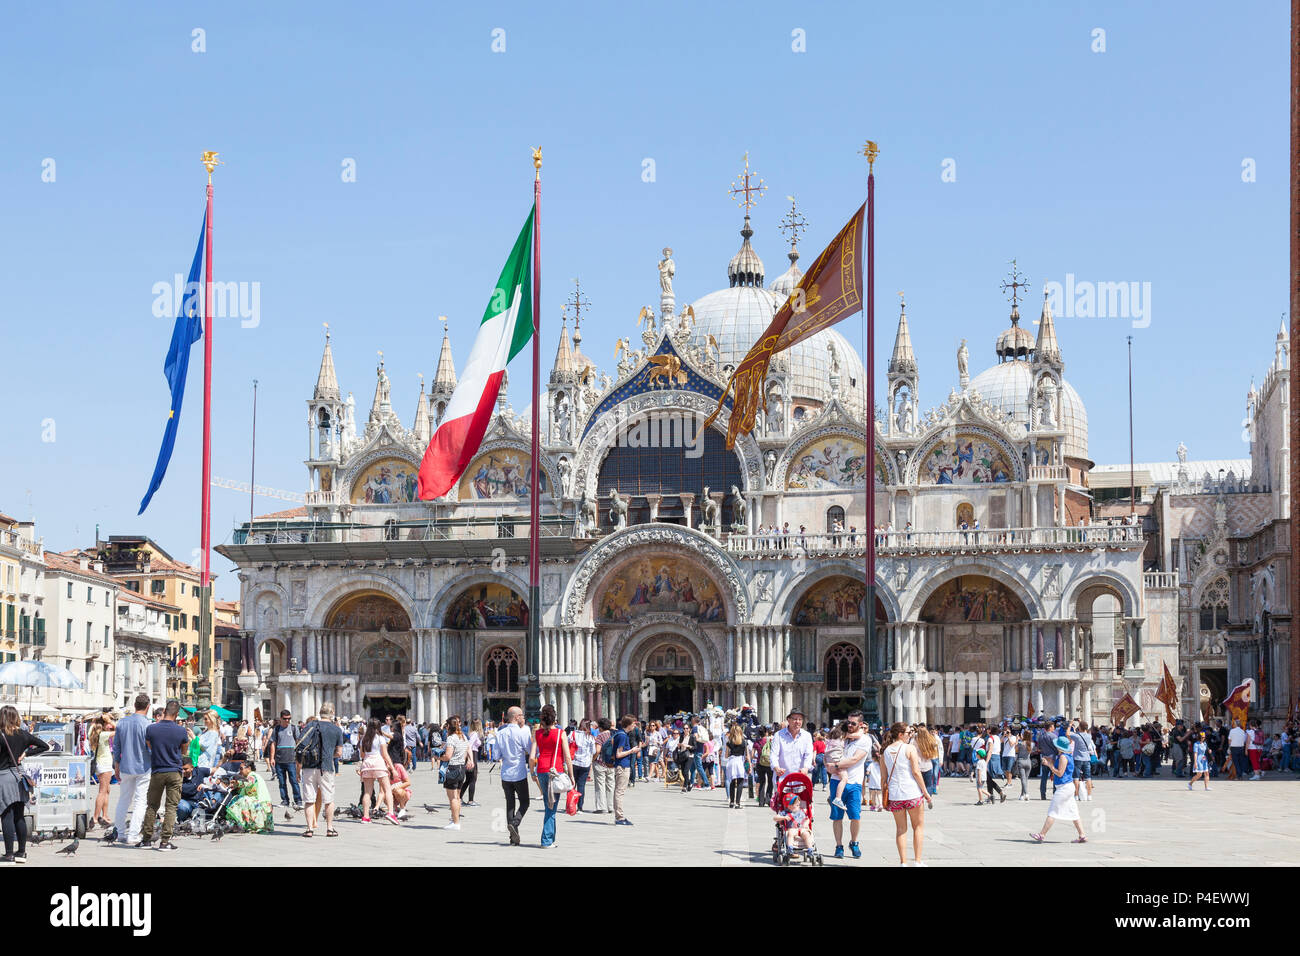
x=319 y=781
x=851 y=768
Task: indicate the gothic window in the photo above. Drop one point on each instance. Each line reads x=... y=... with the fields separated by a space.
x=501 y=671
x=1214 y=605
x=834 y=515
x=843 y=670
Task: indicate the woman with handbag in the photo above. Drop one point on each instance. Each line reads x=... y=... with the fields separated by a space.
x=375 y=769
x=904 y=791
x=459 y=758
x=101 y=765
x=15 y=788
x=552 y=765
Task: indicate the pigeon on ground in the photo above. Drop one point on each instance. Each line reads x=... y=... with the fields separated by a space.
x=217 y=834
x=71 y=848
x=288 y=817
x=430 y=809
x=108 y=837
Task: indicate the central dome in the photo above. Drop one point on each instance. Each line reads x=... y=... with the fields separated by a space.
x=737 y=317
x=1007 y=387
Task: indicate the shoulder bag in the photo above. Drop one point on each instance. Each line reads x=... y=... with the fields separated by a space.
x=560 y=782
x=24 y=782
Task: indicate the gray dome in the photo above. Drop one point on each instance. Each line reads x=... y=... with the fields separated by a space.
x=738 y=316
x=1007 y=386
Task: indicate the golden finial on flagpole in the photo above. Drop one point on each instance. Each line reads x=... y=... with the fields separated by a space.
x=871 y=151
x=537 y=160
x=211 y=162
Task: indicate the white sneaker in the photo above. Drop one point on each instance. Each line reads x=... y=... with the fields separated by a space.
x=452 y=826
x=837 y=802
x=402 y=814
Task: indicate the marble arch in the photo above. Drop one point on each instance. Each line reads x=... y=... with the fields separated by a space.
x=449 y=592
x=372 y=581
x=799 y=586
x=1119 y=586
x=634 y=644
x=639 y=541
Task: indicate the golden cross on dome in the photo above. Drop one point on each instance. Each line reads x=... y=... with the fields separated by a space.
x=745 y=190
x=1016 y=284
x=577 y=301
x=793 y=223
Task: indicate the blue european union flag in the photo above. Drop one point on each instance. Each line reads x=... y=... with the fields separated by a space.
x=187 y=331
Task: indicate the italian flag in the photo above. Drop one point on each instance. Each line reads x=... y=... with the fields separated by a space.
x=506 y=328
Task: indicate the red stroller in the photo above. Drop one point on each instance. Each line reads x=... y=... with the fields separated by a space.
x=794 y=792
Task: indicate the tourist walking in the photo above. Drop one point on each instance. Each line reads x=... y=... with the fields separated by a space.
x=1023 y=764
x=736 y=755
x=848 y=764
x=166 y=740
x=582 y=744
x=927 y=752
x=459 y=758
x=1255 y=748
x=1084 y=753
x=131 y=766
x=792 y=750
x=318 y=781
x=904 y=792
x=514 y=744
x=1063 y=805
x=475 y=738
x=101 y=766
x=376 y=769
x=626 y=753
x=280 y=746
x=1200 y=761
x=550 y=757
x=18 y=743
x=602 y=767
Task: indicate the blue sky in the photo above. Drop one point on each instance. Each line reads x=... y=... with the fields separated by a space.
x=1123 y=165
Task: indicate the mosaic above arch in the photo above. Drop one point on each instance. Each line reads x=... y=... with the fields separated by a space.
x=836 y=600
x=368 y=612
x=497 y=474
x=833 y=462
x=487 y=605
x=385 y=482
x=966 y=458
x=666 y=583
x=973 y=598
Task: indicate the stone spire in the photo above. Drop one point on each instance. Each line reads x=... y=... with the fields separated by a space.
x=903 y=361
x=563 y=369
x=421 y=427
x=1047 y=351
x=445 y=377
x=327 y=383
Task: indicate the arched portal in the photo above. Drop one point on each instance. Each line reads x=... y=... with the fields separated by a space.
x=843 y=670
x=668 y=684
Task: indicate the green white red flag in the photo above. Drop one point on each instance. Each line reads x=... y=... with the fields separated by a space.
x=506 y=328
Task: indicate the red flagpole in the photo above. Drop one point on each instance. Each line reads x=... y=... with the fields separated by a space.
x=870 y=572
x=533 y=701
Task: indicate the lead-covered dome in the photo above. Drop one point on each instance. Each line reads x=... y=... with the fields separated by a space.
x=1008 y=386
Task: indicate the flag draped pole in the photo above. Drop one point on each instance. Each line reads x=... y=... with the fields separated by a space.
x=533 y=689
x=871 y=150
x=203 y=688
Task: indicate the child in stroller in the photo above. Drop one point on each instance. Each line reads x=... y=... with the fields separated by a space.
x=794 y=837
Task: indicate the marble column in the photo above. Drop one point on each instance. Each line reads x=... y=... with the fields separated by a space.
x=688 y=502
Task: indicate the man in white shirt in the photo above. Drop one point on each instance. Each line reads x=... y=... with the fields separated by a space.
x=1237 y=748
x=792 y=748
x=859 y=749
x=513 y=744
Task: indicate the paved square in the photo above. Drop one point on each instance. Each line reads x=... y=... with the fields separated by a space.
x=1130 y=822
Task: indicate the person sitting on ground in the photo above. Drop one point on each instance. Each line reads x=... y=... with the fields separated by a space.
x=194 y=783
x=251 y=810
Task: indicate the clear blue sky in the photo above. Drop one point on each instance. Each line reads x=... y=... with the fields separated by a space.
x=1115 y=166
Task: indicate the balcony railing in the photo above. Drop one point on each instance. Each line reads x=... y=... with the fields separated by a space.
x=905 y=542
x=504 y=526
x=1157 y=580
x=325 y=498
x=1048 y=473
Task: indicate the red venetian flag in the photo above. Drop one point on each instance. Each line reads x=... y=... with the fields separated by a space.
x=1167 y=694
x=506 y=328
x=830 y=291
x=1124 y=708
x=1237 y=704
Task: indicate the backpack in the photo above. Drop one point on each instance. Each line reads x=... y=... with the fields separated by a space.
x=309 y=751
x=765 y=755
x=608 y=751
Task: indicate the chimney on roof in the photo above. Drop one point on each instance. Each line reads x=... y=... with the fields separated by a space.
x=84 y=562
x=99 y=567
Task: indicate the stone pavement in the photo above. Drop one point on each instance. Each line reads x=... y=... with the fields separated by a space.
x=1130 y=822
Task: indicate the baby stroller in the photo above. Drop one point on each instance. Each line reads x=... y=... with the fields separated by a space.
x=795 y=791
x=209 y=814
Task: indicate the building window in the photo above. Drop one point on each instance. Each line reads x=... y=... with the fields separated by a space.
x=834 y=516
x=184 y=622
x=501 y=671
x=106 y=635
x=90 y=595
x=107 y=595
x=69 y=589
x=68 y=632
x=217 y=651
x=843 y=670
x=87 y=637
x=194 y=622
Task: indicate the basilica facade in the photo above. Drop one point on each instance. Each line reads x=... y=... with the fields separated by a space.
x=675 y=571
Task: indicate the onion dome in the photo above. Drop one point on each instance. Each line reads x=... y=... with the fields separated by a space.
x=1014 y=342
x=745 y=268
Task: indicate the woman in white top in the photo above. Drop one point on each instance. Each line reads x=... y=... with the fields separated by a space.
x=1008 y=754
x=904 y=788
x=582 y=744
x=376 y=768
x=459 y=759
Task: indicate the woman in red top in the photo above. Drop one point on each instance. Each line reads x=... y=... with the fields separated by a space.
x=550 y=756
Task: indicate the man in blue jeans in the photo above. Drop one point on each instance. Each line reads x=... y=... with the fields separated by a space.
x=284 y=738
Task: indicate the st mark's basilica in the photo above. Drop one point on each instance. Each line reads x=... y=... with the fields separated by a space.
x=675 y=572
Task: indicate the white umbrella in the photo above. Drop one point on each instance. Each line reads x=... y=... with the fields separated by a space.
x=34 y=673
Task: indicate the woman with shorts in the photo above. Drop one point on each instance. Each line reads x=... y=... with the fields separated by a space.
x=376 y=767
x=904 y=791
x=459 y=758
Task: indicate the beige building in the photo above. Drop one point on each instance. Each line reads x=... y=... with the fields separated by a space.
x=144 y=647
x=22 y=594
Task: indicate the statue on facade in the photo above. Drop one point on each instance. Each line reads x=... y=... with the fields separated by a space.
x=963 y=363
x=1047 y=403
x=565 y=470
x=769 y=465
x=588 y=519
x=667 y=269
x=738 y=523
x=710 y=513
x=1182 y=453
x=835 y=357
x=617 y=510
